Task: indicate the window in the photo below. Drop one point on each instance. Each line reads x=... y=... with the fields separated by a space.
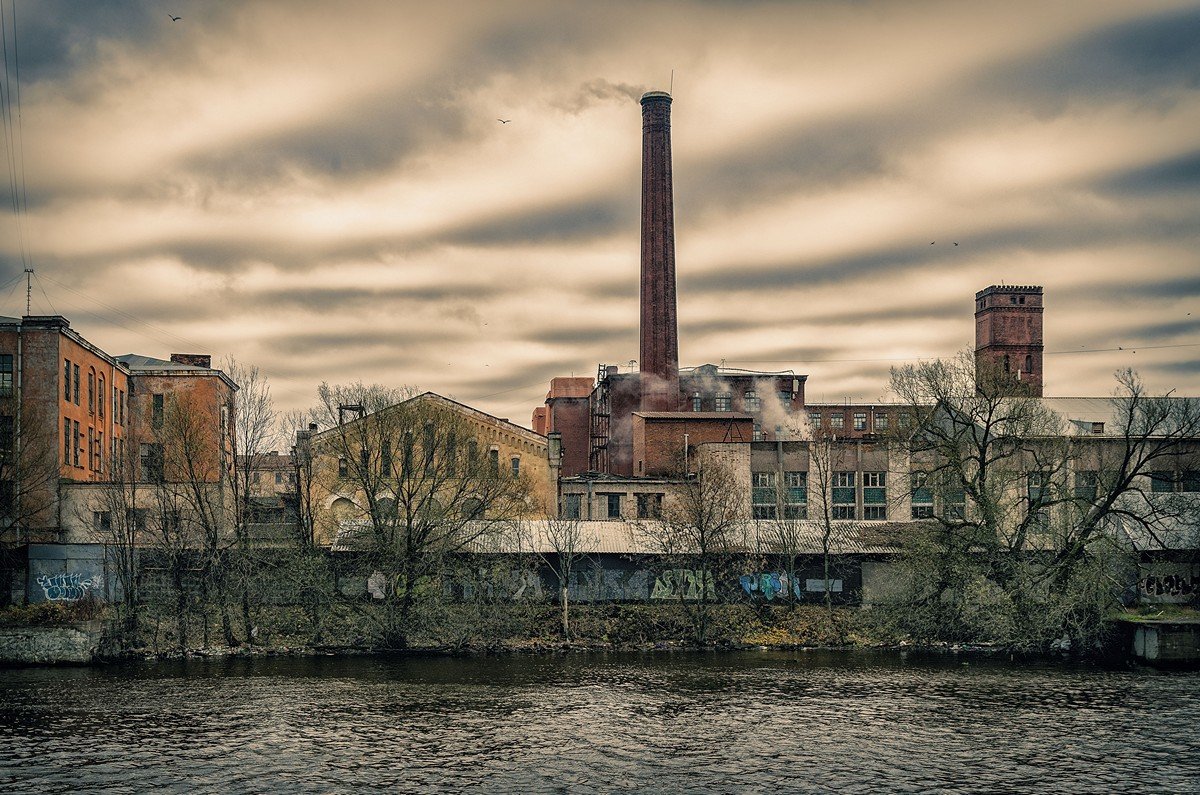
x=612 y=505
x=91 y=448
x=1087 y=484
x=494 y=462
x=758 y=432
x=91 y=391
x=67 y=441
x=837 y=421
x=904 y=420
x=6 y=374
x=66 y=379
x=649 y=506
x=860 y=420
x=102 y=521
x=1189 y=480
x=122 y=406
x=278 y=478
x=103 y=397
x=785 y=399
x=1162 y=481
x=956 y=504
x=156 y=417
x=1037 y=486
x=922 y=496
x=724 y=402
x=762 y=495
x=751 y=401
x=385 y=458
x=843 y=495
x=874 y=495
x=516 y=466
x=697 y=402
x=795 y=501
x=137 y=518
x=814 y=419
x=254 y=477
x=75 y=385
x=152 y=462
x=881 y=422
x=364 y=460
x=99 y=451
x=77 y=439
x=343 y=468
x=1028 y=364
x=572 y=503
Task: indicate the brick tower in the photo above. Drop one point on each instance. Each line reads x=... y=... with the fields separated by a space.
x=1008 y=336
x=659 y=328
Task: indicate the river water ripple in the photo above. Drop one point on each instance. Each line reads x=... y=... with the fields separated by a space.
x=730 y=722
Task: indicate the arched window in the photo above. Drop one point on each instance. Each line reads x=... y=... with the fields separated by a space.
x=516 y=466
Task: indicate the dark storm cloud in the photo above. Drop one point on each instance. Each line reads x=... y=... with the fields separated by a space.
x=1190 y=367
x=341 y=299
x=327 y=343
x=375 y=135
x=600 y=90
x=1165 y=288
x=1164 y=331
x=576 y=334
x=575 y=221
x=897 y=260
x=1142 y=57
x=805 y=159
x=1177 y=174
x=62 y=37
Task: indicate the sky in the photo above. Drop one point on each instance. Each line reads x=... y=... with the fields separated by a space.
x=324 y=190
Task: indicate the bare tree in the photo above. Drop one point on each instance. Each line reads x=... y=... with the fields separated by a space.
x=703 y=528
x=193 y=492
x=1025 y=503
x=561 y=544
x=255 y=426
x=413 y=482
x=29 y=470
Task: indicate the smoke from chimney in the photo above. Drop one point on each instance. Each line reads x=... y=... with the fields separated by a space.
x=659 y=328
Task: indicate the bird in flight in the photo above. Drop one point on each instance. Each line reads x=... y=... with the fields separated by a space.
x=174 y=18
x=504 y=121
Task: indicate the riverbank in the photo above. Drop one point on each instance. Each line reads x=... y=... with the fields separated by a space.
x=469 y=630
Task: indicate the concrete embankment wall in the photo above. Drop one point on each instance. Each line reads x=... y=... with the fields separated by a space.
x=76 y=643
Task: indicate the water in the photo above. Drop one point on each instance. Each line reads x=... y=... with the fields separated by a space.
x=734 y=722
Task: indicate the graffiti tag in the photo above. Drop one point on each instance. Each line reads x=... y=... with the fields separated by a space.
x=683 y=584
x=1171 y=585
x=770 y=584
x=65 y=587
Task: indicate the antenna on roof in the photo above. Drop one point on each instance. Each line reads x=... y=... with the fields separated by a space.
x=671 y=91
x=28 y=290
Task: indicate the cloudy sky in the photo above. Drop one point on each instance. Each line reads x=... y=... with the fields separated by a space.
x=323 y=189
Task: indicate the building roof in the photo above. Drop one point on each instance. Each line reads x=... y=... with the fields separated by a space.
x=135 y=361
x=693 y=415
x=505 y=424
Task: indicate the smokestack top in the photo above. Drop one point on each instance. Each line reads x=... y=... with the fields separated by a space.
x=655 y=96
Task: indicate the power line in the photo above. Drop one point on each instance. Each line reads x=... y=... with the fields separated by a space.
x=175 y=337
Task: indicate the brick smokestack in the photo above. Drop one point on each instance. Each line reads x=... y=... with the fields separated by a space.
x=659 y=331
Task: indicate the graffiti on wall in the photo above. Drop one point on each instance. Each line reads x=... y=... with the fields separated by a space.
x=683 y=584
x=770 y=584
x=66 y=587
x=773 y=585
x=1170 y=585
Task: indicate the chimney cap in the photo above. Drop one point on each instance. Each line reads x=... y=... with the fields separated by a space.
x=655 y=96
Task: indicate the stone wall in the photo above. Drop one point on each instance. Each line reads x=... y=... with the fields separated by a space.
x=76 y=643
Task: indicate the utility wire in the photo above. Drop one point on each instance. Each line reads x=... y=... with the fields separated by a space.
x=175 y=337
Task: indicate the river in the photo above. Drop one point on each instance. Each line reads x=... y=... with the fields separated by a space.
x=666 y=722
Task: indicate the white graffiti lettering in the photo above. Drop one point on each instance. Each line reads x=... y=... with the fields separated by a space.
x=65 y=587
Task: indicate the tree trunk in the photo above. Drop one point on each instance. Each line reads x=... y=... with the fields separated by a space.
x=566 y=624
